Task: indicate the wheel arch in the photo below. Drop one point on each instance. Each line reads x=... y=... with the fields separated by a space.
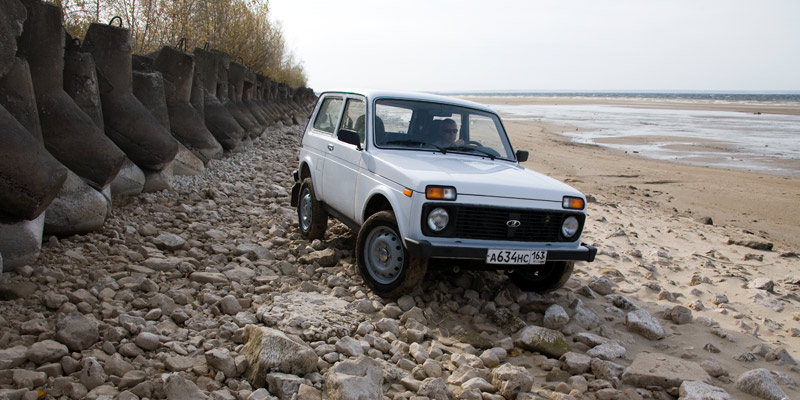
x=383 y=198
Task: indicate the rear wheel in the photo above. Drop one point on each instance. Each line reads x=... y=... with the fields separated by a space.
x=542 y=278
x=312 y=218
x=383 y=261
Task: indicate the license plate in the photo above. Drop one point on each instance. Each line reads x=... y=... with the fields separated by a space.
x=516 y=257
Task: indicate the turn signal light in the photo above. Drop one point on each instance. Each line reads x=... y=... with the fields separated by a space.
x=440 y=193
x=408 y=192
x=573 y=203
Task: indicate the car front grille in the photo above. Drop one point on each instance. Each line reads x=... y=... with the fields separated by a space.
x=492 y=223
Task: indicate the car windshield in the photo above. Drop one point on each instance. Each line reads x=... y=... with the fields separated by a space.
x=442 y=128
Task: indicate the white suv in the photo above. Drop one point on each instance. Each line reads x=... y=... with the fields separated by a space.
x=425 y=178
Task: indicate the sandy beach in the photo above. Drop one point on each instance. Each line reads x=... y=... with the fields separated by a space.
x=750 y=204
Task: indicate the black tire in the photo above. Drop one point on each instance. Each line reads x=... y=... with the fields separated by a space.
x=542 y=278
x=311 y=217
x=383 y=261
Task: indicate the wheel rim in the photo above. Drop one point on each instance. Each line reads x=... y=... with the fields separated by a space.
x=305 y=211
x=384 y=255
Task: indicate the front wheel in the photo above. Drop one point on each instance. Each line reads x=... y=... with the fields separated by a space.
x=542 y=278
x=312 y=218
x=383 y=261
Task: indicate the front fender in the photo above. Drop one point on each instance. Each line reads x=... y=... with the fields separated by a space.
x=400 y=204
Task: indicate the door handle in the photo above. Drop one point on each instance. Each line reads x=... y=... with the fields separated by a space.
x=330 y=147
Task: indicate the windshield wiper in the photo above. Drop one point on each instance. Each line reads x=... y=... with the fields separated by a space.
x=467 y=148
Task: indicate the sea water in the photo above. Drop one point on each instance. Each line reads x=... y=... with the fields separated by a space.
x=768 y=143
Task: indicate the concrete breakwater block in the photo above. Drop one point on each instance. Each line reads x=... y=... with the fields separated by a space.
x=129 y=181
x=20 y=241
x=156 y=181
x=218 y=119
x=78 y=208
x=186 y=163
x=127 y=122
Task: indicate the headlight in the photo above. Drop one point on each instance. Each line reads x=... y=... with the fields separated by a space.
x=569 y=227
x=438 y=219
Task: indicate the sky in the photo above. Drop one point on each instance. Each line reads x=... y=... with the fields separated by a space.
x=587 y=45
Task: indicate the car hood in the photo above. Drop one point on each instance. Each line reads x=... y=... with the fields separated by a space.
x=470 y=175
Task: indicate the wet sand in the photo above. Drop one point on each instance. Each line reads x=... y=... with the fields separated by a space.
x=752 y=205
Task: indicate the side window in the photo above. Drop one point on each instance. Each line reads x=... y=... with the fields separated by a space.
x=328 y=114
x=354 y=118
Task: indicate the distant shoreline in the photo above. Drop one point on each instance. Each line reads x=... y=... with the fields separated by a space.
x=766 y=96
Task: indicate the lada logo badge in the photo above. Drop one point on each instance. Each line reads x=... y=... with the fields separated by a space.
x=513 y=223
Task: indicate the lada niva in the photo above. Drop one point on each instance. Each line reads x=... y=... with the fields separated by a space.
x=425 y=178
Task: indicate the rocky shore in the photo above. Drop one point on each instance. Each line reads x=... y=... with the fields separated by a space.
x=207 y=291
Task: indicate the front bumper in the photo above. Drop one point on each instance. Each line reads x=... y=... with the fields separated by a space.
x=425 y=249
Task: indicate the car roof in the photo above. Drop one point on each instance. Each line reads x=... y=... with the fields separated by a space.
x=373 y=94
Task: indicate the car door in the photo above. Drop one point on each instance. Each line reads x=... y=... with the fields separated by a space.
x=343 y=160
x=320 y=136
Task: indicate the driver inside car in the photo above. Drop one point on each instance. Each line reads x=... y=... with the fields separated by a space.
x=448 y=134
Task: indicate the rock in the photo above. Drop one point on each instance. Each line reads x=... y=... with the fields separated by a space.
x=270 y=350
x=510 y=380
x=760 y=382
x=46 y=351
x=641 y=322
x=781 y=355
x=555 y=317
x=680 y=315
x=478 y=384
x=17 y=355
x=92 y=373
x=230 y=305
x=129 y=181
x=360 y=379
x=169 y=241
x=213 y=278
x=656 y=369
x=607 y=370
x=20 y=241
x=607 y=351
x=312 y=316
x=131 y=379
x=222 y=360
x=147 y=341
x=435 y=388
x=324 y=258
x=546 y=341
x=78 y=208
x=753 y=244
x=77 y=331
x=178 y=363
x=179 y=388
x=762 y=284
x=349 y=347
x=285 y=386
x=695 y=390
x=27 y=379
x=576 y=363
x=602 y=285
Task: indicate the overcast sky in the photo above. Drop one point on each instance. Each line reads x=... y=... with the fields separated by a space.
x=438 y=45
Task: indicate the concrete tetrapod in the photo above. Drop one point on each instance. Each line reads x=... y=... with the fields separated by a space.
x=80 y=82
x=69 y=134
x=127 y=121
x=249 y=95
x=236 y=80
x=218 y=119
x=12 y=15
x=177 y=68
x=248 y=123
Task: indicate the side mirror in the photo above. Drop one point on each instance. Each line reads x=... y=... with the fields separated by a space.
x=350 y=137
x=522 y=155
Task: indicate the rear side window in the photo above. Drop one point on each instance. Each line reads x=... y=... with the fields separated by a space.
x=328 y=114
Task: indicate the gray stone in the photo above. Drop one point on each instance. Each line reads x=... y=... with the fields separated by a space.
x=360 y=379
x=92 y=373
x=511 y=380
x=131 y=379
x=129 y=181
x=270 y=350
x=435 y=388
x=230 y=305
x=555 y=317
x=20 y=241
x=285 y=386
x=176 y=363
x=78 y=208
x=680 y=315
x=147 y=341
x=46 y=351
x=23 y=378
x=607 y=370
x=222 y=360
x=607 y=351
x=324 y=258
x=602 y=285
x=77 y=331
x=695 y=390
x=546 y=341
x=179 y=388
x=349 y=347
x=163 y=264
x=762 y=284
x=760 y=382
x=641 y=322
x=656 y=369
x=156 y=181
x=169 y=241
x=186 y=163
x=310 y=315
x=214 y=278
x=479 y=384
x=576 y=363
x=16 y=356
